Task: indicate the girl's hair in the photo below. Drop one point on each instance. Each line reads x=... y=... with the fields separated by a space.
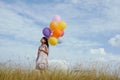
x=46 y=41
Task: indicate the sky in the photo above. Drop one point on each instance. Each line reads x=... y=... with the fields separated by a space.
x=92 y=33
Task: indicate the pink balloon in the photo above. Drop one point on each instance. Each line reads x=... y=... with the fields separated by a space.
x=56 y=18
x=62 y=34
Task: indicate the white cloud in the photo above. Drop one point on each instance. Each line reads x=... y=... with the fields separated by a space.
x=100 y=55
x=109 y=58
x=58 y=64
x=85 y=12
x=14 y=24
x=101 y=59
x=115 y=41
x=99 y=51
x=73 y=1
x=16 y=51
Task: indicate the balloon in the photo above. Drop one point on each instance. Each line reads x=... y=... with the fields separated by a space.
x=61 y=25
x=56 y=18
x=53 y=41
x=57 y=33
x=53 y=25
x=46 y=32
x=62 y=34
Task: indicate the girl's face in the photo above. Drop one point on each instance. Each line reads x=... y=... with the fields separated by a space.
x=42 y=40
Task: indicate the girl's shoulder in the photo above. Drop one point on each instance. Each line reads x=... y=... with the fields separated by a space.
x=44 y=45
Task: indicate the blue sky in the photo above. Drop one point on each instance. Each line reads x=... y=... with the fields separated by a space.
x=92 y=33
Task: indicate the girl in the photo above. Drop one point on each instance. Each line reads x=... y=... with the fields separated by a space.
x=42 y=57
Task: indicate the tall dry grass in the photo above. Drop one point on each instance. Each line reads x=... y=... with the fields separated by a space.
x=9 y=73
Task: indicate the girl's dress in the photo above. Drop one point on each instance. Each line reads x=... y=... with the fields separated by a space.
x=41 y=63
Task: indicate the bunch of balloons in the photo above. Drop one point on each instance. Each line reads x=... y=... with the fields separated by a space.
x=55 y=30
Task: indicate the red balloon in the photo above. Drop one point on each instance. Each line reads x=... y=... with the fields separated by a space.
x=62 y=34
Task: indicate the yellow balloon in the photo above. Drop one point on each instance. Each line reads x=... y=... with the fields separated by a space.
x=53 y=25
x=53 y=41
x=61 y=25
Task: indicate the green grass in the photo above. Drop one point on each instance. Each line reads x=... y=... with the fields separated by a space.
x=9 y=73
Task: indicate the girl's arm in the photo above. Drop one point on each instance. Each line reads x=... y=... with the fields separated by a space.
x=46 y=50
x=37 y=55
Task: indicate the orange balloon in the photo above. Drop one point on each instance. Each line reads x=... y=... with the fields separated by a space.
x=61 y=25
x=57 y=33
x=53 y=25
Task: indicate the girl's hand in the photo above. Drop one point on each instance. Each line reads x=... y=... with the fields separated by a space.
x=40 y=50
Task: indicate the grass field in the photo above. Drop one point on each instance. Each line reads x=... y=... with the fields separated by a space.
x=9 y=73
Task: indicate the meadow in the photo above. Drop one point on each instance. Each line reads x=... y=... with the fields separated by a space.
x=77 y=73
